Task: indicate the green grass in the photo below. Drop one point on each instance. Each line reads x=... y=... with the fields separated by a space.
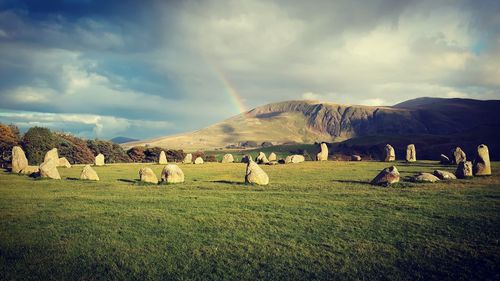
x=315 y=221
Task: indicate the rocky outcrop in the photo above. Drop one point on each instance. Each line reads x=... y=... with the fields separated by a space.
x=147 y=175
x=89 y=174
x=19 y=160
x=386 y=177
x=255 y=174
x=323 y=154
x=162 y=160
x=171 y=173
x=411 y=153
x=482 y=165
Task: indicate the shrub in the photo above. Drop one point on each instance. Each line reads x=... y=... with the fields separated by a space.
x=152 y=154
x=136 y=154
x=74 y=149
x=175 y=155
x=9 y=137
x=112 y=152
x=36 y=142
x=210 y=158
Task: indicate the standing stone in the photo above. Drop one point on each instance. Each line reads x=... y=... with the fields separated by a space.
x=198 y=160
x=63 y=162
x=255 y=174
x=228 y=158
x=482 y=165
x=444 y=175
x=99 y=160
x=464 y=170
x=444 y=160
x=48 y=169
x=147 y=175
x=386 y=177
x=294 y=159
x=261 y=159
x=425 y=177
x=355 y=158
x=188 y=159
x=162 y=160
x=457 y=155
x=323 y=154
x=19 y=160
x=390 y=155
x=411 y=154
x=272 y=157
x=88 y=174
x=171 y=173
x=51 y=154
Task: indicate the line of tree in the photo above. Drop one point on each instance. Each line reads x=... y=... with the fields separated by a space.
x=37 y=141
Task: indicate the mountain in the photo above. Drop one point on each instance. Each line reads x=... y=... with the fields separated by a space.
x=120 y=140
x=313 y=121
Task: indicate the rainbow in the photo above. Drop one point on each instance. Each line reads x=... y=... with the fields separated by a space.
x=230 y=89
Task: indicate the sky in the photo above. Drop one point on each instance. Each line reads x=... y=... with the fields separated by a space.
x=100 y=69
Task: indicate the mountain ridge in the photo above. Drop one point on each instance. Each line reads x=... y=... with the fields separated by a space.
x=308 y=121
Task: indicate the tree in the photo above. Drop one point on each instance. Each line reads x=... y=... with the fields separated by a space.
x=36 y=142
x=136 y=154
x=9 y=137
x=74 y=149
x=113 y=152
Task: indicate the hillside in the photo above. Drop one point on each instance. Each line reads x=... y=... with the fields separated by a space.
x=312 y=121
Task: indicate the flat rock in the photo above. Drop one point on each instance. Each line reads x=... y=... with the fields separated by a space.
x=29 y=170
x=425 y=177
x=355 y=158
x=291 y=159
x=444 y=175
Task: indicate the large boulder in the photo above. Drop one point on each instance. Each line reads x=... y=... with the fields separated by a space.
x=389 y=154
x=48 y=169
x=228 y=158
x=51 y=154
x=457 y=155
x=88 y=174
x=30 y=170
x=323 y=154
x=444 y=160
x=464 y=170
x=171 y=173
x=19 y=160
x=386 y=177
x=425 y=177
x=63 y=162
x=411 y=153
x=272 y=157
x=355 y=158
x=482 y=165
x=255 y=174
x=444 y=175
x=99 y=160
x=188 y=159
x=147 y=175
x=294 y=159
x=261 y=158
x=162 y=160
x=198 y=160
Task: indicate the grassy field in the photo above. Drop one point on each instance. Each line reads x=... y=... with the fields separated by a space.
x=315 y=221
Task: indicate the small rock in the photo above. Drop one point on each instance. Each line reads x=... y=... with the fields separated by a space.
x=188 y=159
x=30 y=170
x=147 y=175
x=88 y=174
x=444 y=175
x=198 y=160
x=355 y=158
x=228 y=158
x=63 y=162
x=272 y=157
x=386 y=177
x=99 y=160
x=261 y=159
x=162 y=160
x=464 y=170
x=294 y=159
x=425 y=177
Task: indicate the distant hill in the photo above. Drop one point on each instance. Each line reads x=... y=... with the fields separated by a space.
x=314 y=121
x=120 y=140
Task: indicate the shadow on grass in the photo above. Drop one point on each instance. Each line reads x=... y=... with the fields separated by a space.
x=128 y=180
x=73 y=179
x=229 y=182
x=352 y=181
